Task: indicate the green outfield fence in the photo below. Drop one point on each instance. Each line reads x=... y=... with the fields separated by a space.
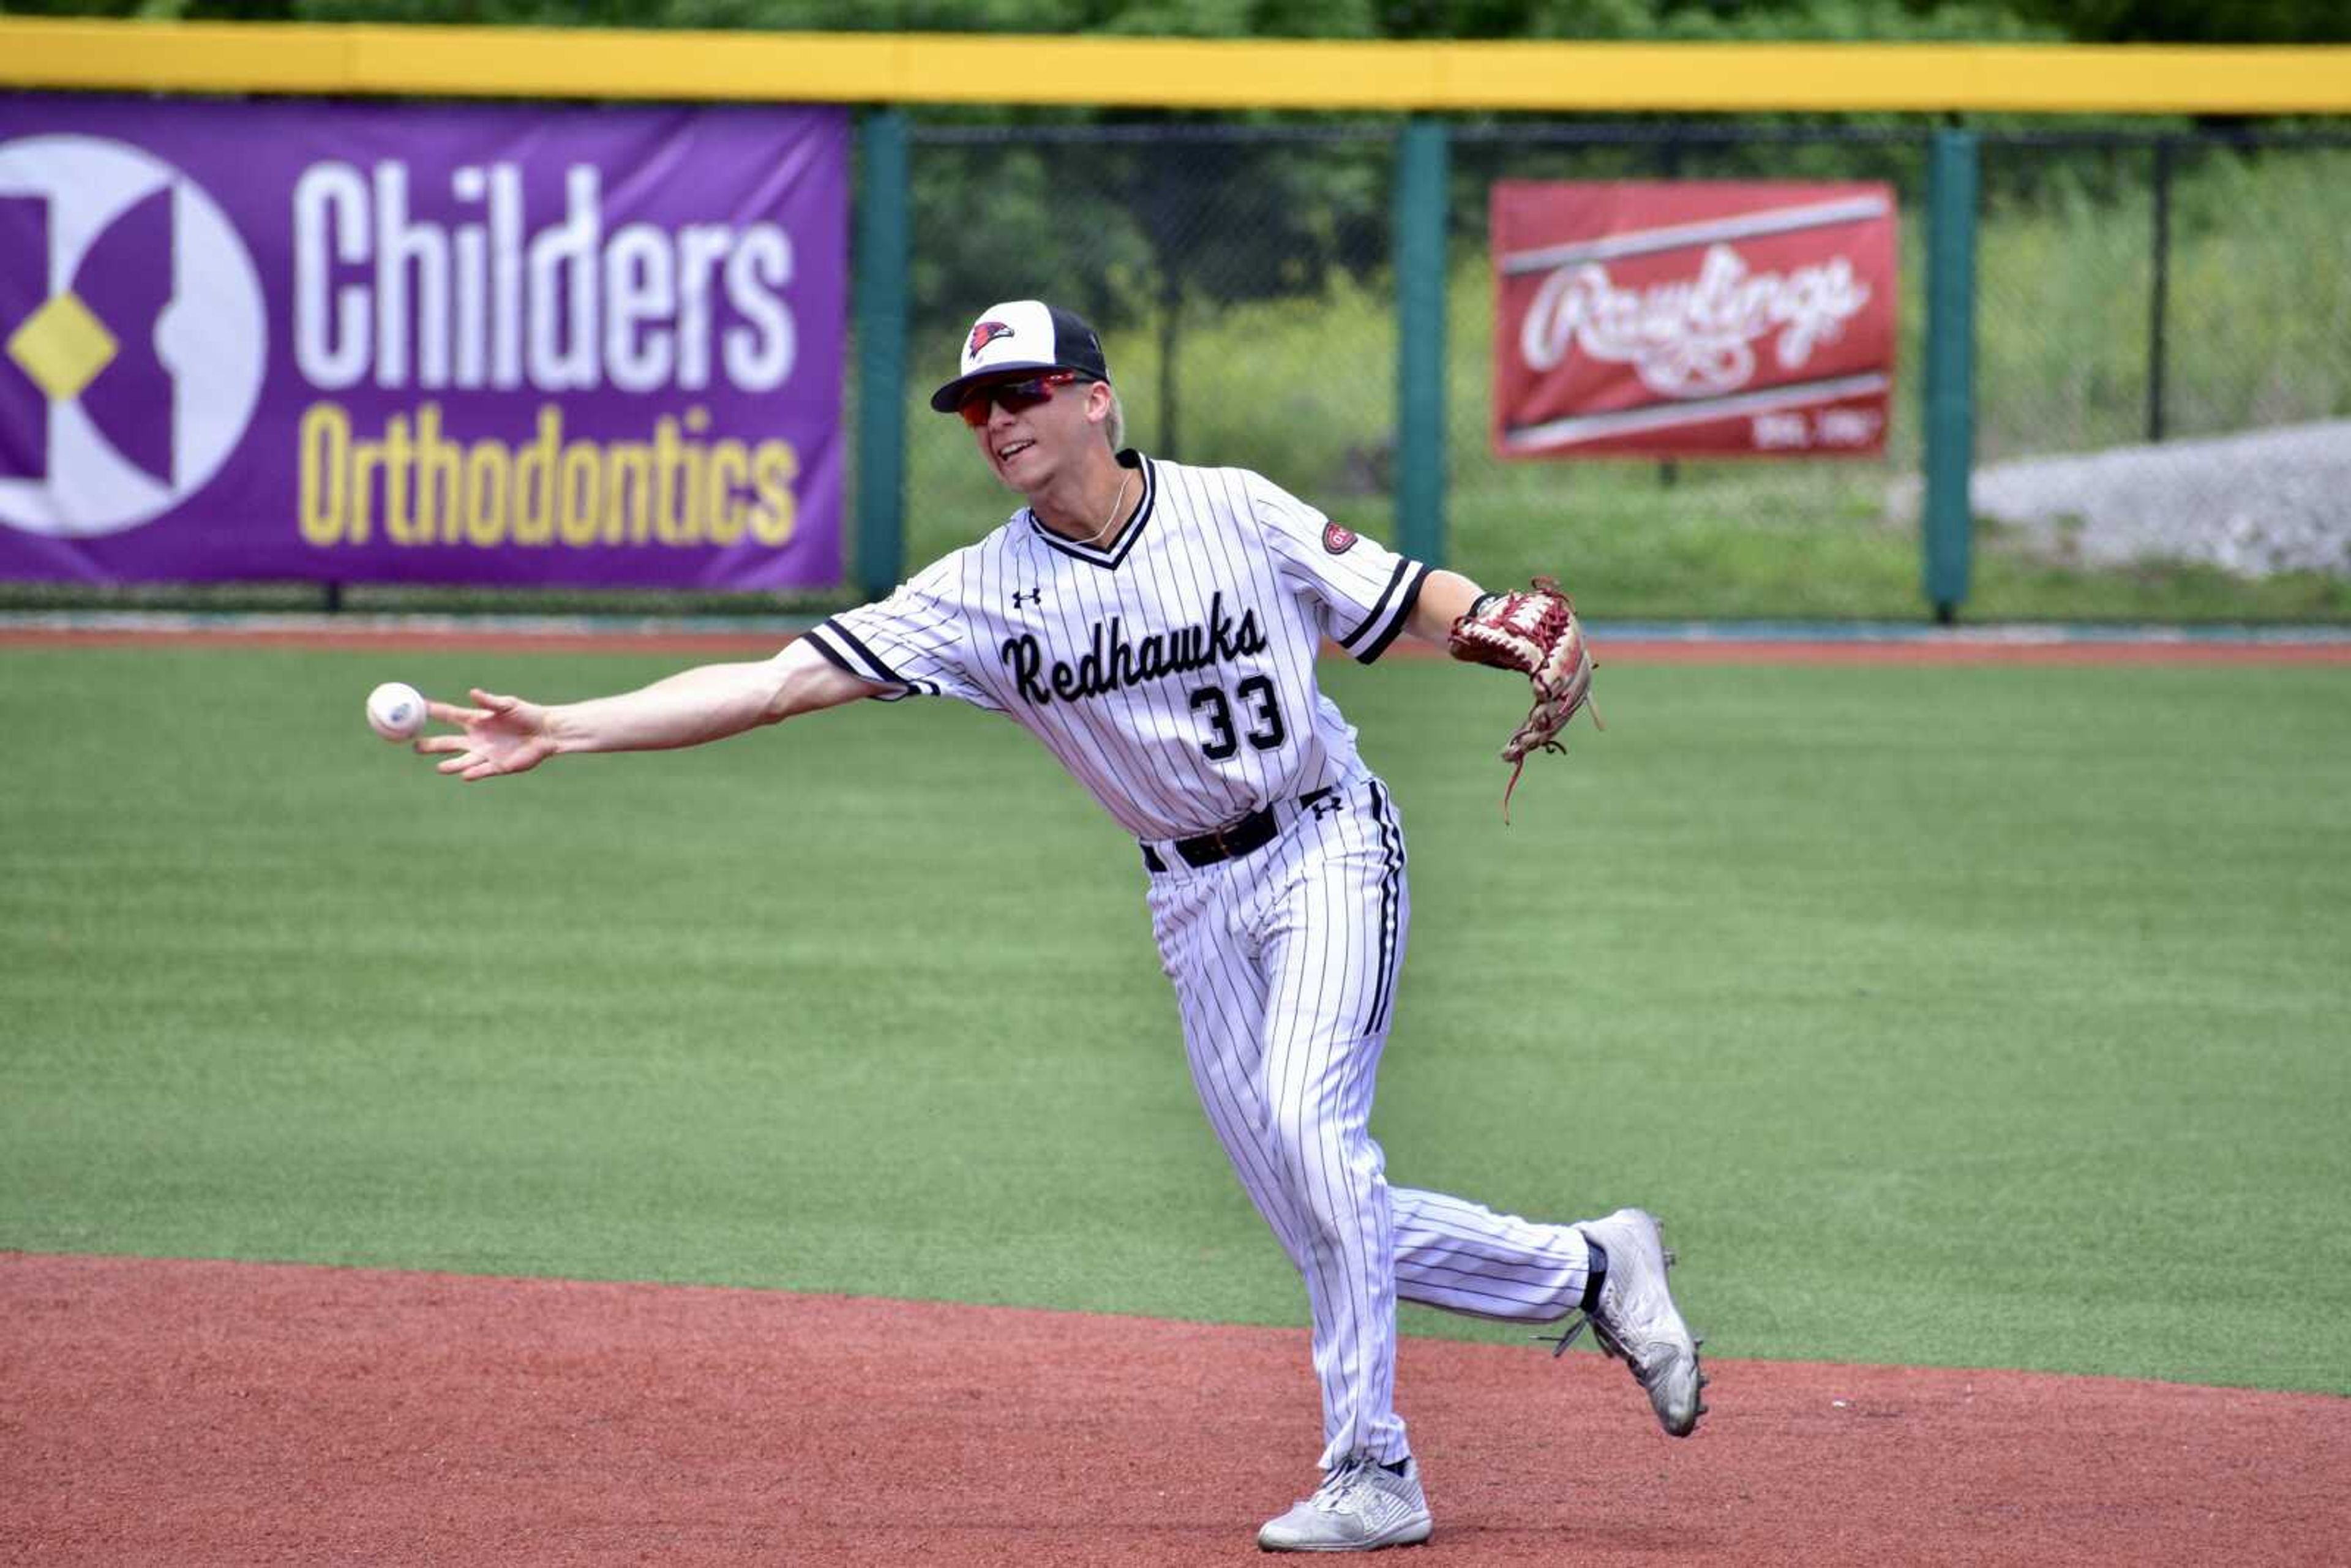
x=1312 y=299
x=1284 y=240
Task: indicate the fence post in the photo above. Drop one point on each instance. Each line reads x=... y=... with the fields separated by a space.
x=1947 y=523
x=880 y=283
x=2158 y=296
x=1420 y=242
x=1669 y=167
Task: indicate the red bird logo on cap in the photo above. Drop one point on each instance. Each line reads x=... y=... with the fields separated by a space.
x=986 y=332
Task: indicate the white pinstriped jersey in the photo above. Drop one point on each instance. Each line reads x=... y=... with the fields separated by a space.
x=1171 y=671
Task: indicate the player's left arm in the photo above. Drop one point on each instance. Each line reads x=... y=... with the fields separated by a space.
x=1445 y=598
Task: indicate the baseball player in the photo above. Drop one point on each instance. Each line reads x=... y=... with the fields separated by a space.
x=1156 y=625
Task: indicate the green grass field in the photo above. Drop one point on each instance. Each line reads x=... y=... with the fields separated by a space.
x=1951 y=1016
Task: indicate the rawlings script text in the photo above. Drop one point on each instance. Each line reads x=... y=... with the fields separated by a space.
x=1111 y=661
x=1691 y=338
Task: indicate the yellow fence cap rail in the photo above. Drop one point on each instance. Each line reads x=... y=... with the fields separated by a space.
x=1172 y=73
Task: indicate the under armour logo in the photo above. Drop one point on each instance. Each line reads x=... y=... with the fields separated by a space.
x=1031 y=596
x=1325 y=806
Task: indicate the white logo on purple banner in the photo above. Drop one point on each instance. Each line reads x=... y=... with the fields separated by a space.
x=122 y=287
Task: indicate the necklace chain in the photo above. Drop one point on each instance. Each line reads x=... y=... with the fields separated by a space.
x=1114 y=506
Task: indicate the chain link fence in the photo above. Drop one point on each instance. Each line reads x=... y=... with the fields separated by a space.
x=1239 y=277
x=2132 y=289
x=2164 y=368
x=2143 y=289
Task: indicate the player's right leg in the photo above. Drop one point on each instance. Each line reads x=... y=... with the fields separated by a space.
x=1220 y=991
x=1304 y=1153
x=1245 y=1032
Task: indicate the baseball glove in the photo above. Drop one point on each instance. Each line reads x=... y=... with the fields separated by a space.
x=1534 y=632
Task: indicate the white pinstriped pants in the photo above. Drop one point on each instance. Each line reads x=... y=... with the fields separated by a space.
x=1285 y=964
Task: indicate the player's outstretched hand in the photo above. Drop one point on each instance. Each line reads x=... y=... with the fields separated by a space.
x=502 y=735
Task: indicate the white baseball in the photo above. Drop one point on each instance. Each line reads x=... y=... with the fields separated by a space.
x=396 y=710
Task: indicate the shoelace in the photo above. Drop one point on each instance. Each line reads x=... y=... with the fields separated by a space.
x=1338 y=1486
x=1607 y=1341
x=1569 y=1336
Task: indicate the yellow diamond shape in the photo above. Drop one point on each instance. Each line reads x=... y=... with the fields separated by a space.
x=62 y=347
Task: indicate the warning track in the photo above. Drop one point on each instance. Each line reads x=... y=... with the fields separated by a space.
x=1624 y=643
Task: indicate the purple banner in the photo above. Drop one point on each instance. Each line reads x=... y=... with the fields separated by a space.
x=422 y=343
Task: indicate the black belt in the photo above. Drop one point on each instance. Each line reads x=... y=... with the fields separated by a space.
x=1248 y=836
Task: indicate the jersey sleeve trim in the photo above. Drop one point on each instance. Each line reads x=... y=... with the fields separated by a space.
x=1370 y=639
x=842 y=649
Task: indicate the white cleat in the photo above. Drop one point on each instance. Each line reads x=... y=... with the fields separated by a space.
x=1360 y=1507
x=1637 y=1322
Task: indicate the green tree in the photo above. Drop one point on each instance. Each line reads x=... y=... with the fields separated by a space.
x=2196 y=21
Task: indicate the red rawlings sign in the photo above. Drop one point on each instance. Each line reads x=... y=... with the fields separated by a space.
x=1692 y=319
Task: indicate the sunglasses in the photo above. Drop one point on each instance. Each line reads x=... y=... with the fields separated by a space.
x=1013 y=397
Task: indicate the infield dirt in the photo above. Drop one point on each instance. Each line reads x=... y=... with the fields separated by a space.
x=201 y=1413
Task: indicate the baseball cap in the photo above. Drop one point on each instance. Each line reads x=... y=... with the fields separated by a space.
x=1023 y=335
